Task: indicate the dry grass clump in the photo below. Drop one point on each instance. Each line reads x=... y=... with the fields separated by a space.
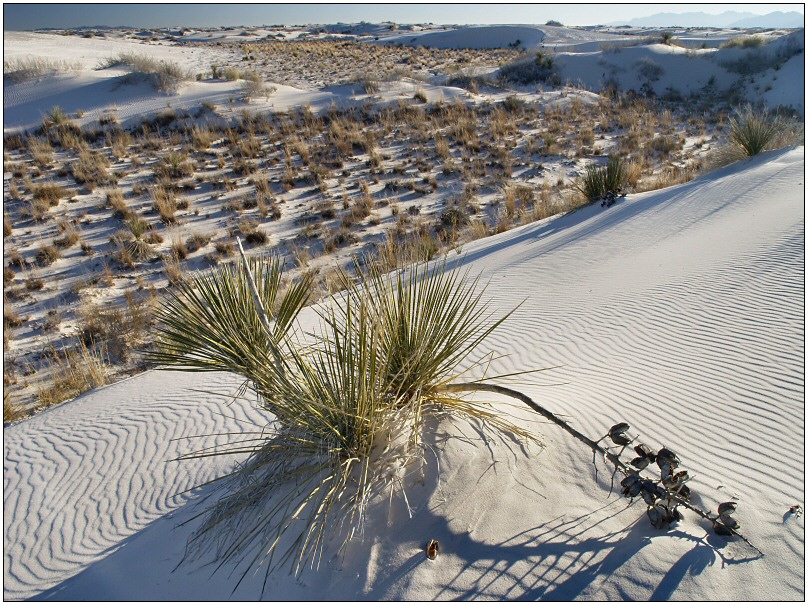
x=202 y=137
x=119 y=208
x=70 y=235
x=49 y=193
x=516 y=197
x=11 y=319
x=165 y=203
x=41 y=151
x=11 y=411
x=118 y=330
x=166 y=76
x=91 y=169
x=174 y=165
x=198 y=240
x=47 y=254
x=72 y=372
x=24 y=69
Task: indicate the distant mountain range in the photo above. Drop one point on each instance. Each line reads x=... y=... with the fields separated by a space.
x=725 y=19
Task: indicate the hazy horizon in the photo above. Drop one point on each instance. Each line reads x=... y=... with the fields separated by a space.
x=59 y=16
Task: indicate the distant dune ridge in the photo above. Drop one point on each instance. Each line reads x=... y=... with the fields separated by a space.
x=725 y=19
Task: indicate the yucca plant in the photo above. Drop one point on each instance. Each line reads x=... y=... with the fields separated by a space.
x=599 y=181
x=347 y=404
x=754 y=132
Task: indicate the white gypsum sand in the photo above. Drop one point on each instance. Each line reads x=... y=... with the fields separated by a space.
x=679 y=311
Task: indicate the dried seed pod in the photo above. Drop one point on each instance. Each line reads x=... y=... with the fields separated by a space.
x=432 y=550
x=645 y=452
x=618 y=433
x=674 y=481
x=661 y=515
x=727 y=508
x=649 y=492
x=667 y=456
x=631 y=486
x=640 y=462
x=684 y=493
x=657 y=516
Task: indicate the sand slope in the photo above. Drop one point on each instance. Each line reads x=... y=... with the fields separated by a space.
x=680 y=311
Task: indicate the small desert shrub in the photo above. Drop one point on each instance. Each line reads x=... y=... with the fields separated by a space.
x=598 y=181
x=166 y=76
x=50 y=193
x=91 y=169
x=55 y=117
x=198 y=240
x=542 y=68
x=253 y=88
x=453 y=218
x=649 y=69
x=11 y=319
x=224 y=248
x=244 y=167
x=34 y=283
x=256 y=236
x=744 y=42
x=70 y=235
x=47 y=254
x=231 y=73
x=339 y=238
x=664 y=145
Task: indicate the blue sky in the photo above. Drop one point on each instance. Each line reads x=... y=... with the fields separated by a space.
x=31 y=16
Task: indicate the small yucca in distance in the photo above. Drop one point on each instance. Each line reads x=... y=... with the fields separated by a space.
x=753 y=131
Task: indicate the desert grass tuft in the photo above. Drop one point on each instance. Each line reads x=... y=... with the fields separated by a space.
x=72 y=372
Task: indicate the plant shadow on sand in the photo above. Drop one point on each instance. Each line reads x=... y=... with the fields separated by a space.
x=562 y=559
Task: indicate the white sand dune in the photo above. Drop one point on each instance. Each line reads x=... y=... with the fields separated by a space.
x=93 y=92
x=680 y=311
x=483 y=36
x=699 y=72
